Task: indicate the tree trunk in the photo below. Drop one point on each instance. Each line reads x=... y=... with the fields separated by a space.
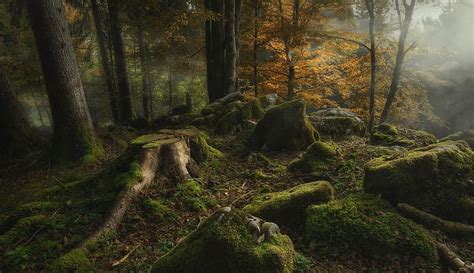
x=15 y=130
x=291 y=82
x=230 y=76
x=373 y=64
x=105 y=61
x=255 y=47
x=215 y=51
x=125 y=99
x=238 y=10
x=146 y=95
x=170 y=90
x=74 y=136
x=405 y=27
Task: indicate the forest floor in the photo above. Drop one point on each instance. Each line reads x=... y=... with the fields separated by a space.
x=166 y=213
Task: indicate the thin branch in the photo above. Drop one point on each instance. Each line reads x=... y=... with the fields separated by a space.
x=347 y=40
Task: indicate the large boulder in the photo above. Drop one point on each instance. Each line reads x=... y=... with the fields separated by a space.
x=370 y=226
x=467 y=136
x=337 y=122
x=390 y=135
x=284 y=127
x=233 y=242
x=288 y=207
x=320 y=157
x=434 y=178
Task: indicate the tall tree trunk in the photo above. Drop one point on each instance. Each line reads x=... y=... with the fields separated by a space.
x=291 y=81
x=146 y=93
x=215 y=50
x=74 y=136
x=291 y=68
x=209 y=49
x=125 y=99
x=238 y=11
x=404 y=28
x=105 y=61
x=373 y=63
x=230 y=66
x=15 y=130
x=255 y=47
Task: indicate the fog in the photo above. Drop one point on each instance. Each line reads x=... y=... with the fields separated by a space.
x=444 y=30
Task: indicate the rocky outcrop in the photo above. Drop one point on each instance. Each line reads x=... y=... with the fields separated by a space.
x=319 y=158
x=436 y=178
x=390 y=135
x=231 y=241
x=288 y=207
x=284 y=127
x=337 y=122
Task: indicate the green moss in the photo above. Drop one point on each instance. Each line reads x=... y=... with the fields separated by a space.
x=284 y=127
x=253 y=110
x=386 y=134
x=201 y=151
x=159 y=210
x=208 y=121
x=430 y=178
x=94 y=153
x=288 y=207
x=75 y=261
x=129 y=178
x=23 y=228
x=467 y=136
x=301 y=264
x=223 y=243
x=368 y=225
x=145 y=139
x=336 y=126
x=228 y=123
x=318 y=158
x=190 y=193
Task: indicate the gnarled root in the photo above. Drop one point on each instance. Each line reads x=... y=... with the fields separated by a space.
x=432 y=222
x=452 y=260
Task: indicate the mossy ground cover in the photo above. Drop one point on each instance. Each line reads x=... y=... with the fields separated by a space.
x=160 y=219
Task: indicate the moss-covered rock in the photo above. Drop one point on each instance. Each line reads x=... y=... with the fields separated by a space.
x=320 y=157
x=228 y=123
x=254 y=109
x=390 y=135
x=370 y=226
x=284 y=127
x=208 y=121
x=201 y=151
x=337 y=122
x=226 y=242
x=467 y=136
x=431 y=178
x=288 y=207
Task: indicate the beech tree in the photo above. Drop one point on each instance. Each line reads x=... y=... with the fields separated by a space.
x=409 y=7
x=74 y=136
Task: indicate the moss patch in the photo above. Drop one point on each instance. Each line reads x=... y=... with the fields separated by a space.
x=223 y=243
x=467 y=136
x=320 y=157
x=284 y=127
x=386 y=134
x=368 y=225
x=431 y=178
x=190 y=193
x=288 y=207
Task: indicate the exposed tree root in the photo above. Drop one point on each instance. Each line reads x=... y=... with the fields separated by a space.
x=452 y=260
x=167 y=154
x=430 y=221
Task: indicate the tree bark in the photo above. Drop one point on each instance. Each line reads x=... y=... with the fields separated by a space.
x=230 y=66
x=109 y=79
x=15 y=130
x=404 y=28
x=255 y=47
x=218 y=51
x=146 y=95
x=125 y=99
x=74 y=136
x=373 y=64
